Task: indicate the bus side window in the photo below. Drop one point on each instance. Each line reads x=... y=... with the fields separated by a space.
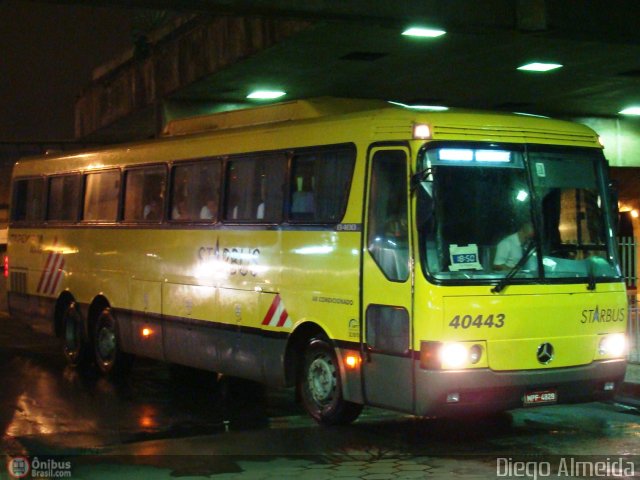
x=102 y=191
x=28 y=200
x=64 y=198
x=320 y=182
x=388 y=235
x=302 y=203
x=195 y=191
x=144 y=194
x=254 y=189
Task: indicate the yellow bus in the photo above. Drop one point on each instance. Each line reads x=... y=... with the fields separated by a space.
x=367 y=253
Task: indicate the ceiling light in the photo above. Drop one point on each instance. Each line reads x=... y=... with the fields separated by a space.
x=522 y=196
x=635 y=110
x=539 y=67
x=423 y=32
x=429 y=108
x=266 y=94
x=530 y=115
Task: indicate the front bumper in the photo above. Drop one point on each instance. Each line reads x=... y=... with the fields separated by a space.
x=488 y=391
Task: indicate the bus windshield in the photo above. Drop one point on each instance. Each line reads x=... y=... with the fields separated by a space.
x=481 y=208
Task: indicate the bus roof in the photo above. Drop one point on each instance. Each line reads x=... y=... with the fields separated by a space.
x=372 y=121
x=269 y=114
x=447 y=125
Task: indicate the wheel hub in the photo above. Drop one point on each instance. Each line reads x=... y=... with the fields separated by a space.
x=321 y=379
x=106 y=343
x=71 y=335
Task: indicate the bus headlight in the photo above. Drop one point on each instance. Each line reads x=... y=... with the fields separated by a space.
x=452 y=356
x=614 y=345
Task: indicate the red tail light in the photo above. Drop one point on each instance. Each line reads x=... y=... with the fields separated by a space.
x=6 y=266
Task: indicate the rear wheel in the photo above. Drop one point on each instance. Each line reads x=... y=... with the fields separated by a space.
x=74 y=344
x=321 y=388
x=74 y=340
x=110 y=359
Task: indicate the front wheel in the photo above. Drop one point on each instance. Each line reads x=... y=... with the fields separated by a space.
x=110 y=359
x=321 y=388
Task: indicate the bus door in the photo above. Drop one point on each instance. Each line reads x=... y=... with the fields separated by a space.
x=387 y=279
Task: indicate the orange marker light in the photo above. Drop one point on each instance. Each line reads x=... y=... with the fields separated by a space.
x=146 y=332
x=421 y=131
x=351 y=361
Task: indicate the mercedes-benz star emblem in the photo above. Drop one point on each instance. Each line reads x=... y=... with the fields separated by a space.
x=545 y=353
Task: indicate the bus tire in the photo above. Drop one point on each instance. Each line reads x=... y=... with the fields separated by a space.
x=110 y=359
x=321 y=388
x=74 y=345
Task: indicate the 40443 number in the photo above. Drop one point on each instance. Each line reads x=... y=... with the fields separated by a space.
x=479 y=321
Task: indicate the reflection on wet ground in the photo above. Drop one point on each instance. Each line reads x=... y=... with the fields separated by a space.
x=42 y=396
x=46 y=407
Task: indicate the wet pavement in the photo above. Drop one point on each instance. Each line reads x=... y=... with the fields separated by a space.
x=163 y=422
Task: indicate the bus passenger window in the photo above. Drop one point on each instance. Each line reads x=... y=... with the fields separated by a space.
x=102 y=191
x=64 y=198
x=320 y=182
x=195 y=191
x=303 y=196
x=255 y=189
x=144 y=194
x=388 y=236
x=28 y=200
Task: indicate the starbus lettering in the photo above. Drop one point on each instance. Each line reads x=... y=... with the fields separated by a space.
x=35 y=240
x=207 y=253
x=242 y=260
x=603 y=315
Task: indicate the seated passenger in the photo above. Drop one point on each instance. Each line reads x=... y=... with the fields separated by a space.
x=179 y=211
x=209 y=211
x=151 y=210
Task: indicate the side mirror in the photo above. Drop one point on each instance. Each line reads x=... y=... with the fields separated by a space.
x=613 y=190
x=422 y=179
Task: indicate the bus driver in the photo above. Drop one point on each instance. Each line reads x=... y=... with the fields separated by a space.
x=510 y=249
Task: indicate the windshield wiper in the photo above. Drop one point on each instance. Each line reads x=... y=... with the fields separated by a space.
x=516 y=268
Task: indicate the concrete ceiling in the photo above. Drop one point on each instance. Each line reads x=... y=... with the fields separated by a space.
x=354 y=49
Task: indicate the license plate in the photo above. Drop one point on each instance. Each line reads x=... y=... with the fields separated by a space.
x=540 y=397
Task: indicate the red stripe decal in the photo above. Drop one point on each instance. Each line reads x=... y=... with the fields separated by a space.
x=58 y=275
x=283 y=318
x=272 y=310
x=56 y=262
x=44 y=272
x=47 y=266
